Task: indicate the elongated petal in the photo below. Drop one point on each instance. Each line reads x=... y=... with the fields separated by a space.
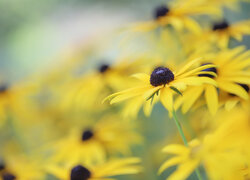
x=198 y=69
x=207 y=72
x=150 y=92
x=233 y=88
x=184 y=170
x=190 y=97
x=166 y=97
x=187 y=66
x=239 y=79
x=211 y=96
x=175 y=149
x=142 y=77
x=230 y=104
x=196 y=81
x=170 y=162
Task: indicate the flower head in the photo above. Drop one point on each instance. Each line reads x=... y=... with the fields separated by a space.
x=101 y=171
x=224 y=153
x=232 y=76
x=164 y=83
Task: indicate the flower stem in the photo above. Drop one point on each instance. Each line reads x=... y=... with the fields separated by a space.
x=180 y=129
x=197 y=171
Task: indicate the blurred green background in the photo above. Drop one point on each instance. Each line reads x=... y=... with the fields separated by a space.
x=33 y=33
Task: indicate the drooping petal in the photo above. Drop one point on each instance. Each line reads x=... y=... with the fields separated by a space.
x=184 y=170
x=166 y=97
x=230 y=104
x=233 y=88
x=187 y=66
x=190 y=97
x=170 y=162
x=211 y=96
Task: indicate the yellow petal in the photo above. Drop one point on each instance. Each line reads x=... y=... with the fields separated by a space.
x=196 y=81
x=190 y=96
x=211 y=96
x=187 y=66
x=175 y=149
x=192 y=25
x=170 y=162
x=150 y=92
x=142 y=77
x=184 y=170
x=166 y=97
x=126 y=94
x=194 y=71
x=238 y=79
x=233 y=88
x=230 y=104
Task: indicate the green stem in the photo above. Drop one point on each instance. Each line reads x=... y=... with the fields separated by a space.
x=197 y=171
x=180 y=129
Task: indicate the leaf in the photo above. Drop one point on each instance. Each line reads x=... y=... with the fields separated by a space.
x=152 y=96
x=176 y=90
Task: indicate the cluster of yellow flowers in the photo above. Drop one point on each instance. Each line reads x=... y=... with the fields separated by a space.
x=60 y=125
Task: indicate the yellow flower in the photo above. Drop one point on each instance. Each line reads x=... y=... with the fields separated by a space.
x=162 y=83
x=94 y=143
x=13 y=100
x=232 y=69
x=87 y=91
x=97 y=172
x=222 y=32
x=21 y=168
x=223 y=153
x=230 y=101
x=178 y=15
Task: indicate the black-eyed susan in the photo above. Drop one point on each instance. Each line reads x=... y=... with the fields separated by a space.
x=178 y=14
x=163 y=83
x=223 y=31
x=230 y=100
x=15 y=167
x=103 y=171
x=13 y=98
x=232 y=69
x=94 y=142
x=223 y=153
x=87 y=91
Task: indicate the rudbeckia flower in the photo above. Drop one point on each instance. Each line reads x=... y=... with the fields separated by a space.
x=94 y=143
x=16 y=167
x=87 y=91
x=232 y=69
x=102 y=171
x=13 y=100
x=223 y=153
x=222 y=31
x=163 y=83
x=230 y=101
x=177 y=14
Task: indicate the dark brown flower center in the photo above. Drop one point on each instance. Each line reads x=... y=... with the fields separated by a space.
x=80 y=173
x=221 y=25
x=3 y=88
x=212 y=69
x=8 y=176
x=2 y=166
x=160 y=76
x=103 y=68
x=161 y=11
x=87 y=134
